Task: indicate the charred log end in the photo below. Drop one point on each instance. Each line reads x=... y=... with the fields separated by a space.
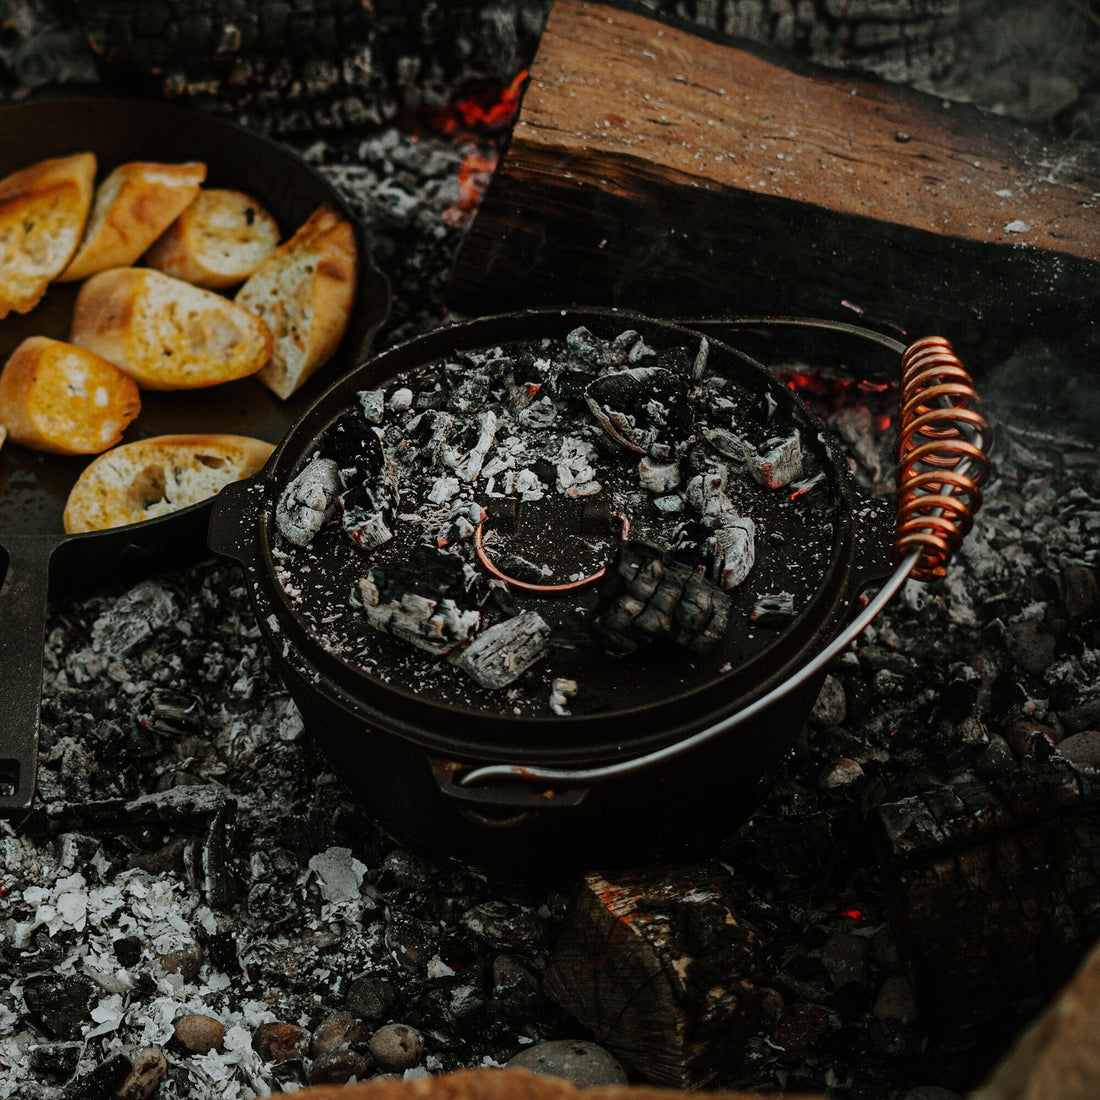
x=660 y=969
x=992 y=890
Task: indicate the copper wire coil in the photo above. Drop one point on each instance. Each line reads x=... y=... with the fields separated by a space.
x=942 y=456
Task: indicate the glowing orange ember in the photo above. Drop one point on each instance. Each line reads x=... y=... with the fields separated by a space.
x=487 y=108
x=474 y=174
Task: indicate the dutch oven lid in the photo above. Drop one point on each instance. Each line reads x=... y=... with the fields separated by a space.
x=818 y=542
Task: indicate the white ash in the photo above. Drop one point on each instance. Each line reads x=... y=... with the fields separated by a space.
x=658 y=477
x=401 y=399
x=733 y=549
x=575 y=475
x=467 y=463
x=504 y=652
x=308 y=501
x=373 y=404
x=561 y=691
x=443 y=490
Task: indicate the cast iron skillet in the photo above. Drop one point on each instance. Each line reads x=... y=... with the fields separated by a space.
x=34 y=550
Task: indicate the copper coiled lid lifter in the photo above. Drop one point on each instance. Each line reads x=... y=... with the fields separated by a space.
x=942 y=463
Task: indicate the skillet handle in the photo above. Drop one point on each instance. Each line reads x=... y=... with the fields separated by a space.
x=23 y=597
x=233 y=519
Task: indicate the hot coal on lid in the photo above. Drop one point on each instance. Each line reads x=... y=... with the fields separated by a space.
x=542 y=447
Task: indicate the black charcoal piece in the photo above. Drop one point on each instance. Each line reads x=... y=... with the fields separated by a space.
x=643 y=408
x=774 y=609
x=427 y=599
x=506 y=651
x=649 y=596
x=462 y=522
x=308 y=501
x=366 y=516
x=777 y=463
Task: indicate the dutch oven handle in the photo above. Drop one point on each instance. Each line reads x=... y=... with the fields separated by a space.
x=942 y=452
x=24 y=592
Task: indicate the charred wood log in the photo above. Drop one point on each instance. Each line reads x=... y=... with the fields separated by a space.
x=994 y=891
x=661 y=171
x=299 y=66
x=660 y=968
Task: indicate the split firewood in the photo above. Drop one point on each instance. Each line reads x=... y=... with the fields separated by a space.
x=1059 y=1055
x=501 y=1084
x=992 y=889
x=662 y=171
x=658 y=966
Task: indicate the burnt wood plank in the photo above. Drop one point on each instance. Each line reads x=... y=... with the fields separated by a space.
x=655 y=169
x=659 y=967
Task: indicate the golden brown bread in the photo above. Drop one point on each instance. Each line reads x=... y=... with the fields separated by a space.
x=165 y=333
x=304 y=291
x=43 y=210
x=217 y=242
x=62 y=399
x=132 y=207
x=151 y=477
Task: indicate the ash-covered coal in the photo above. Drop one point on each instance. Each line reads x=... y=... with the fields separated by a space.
x=527 y=456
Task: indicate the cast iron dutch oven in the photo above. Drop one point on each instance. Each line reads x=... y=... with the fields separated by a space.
x=673 y=763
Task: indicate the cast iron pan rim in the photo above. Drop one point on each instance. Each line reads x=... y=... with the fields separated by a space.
x=823 y=613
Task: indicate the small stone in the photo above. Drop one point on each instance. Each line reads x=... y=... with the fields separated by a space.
x=58 y=1004
x=397 y=1047
x=1081 y=593
x=199 y=1034
x=831 y=706
x=148 y=1067
x=842 y=772
x=337 y=1068
x=370 y=996
x=1022 y=735
x=1082 y=716
x=514 y=985
x=895 y=1001
x=185 y=961
x=845 y=957
x=577 y=1060
x=278 y=1042
x=336 y=1032
x=1082 y=749
x=1031 y=645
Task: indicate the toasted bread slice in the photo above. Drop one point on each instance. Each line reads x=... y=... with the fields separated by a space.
x=151 y=477
x=167 y=334
x=43 y=209
x=59 y=398
x=217 y=242
x=133 y=206
x=304 y=291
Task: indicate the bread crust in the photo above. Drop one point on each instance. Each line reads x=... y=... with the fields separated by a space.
x=152 y=477
x=165 y=333
x=43 y=211
x=304 y=291
x=62 y=399
x=132 y=207
x=218 y=240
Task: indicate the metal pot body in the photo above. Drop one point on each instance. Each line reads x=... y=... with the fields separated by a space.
x=403 y=758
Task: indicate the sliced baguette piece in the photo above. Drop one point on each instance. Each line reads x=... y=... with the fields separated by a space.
x=304 y=291
x=62 y=399
x=133 y=206
x=155 y=476
x=167 y=334
x=43 y=210
x=217 y=242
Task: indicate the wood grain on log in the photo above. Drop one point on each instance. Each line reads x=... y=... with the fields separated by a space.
x=502 y=1084
x=994 y=891
x=1058 y=1056
x=659 y=968
x=660 y=171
